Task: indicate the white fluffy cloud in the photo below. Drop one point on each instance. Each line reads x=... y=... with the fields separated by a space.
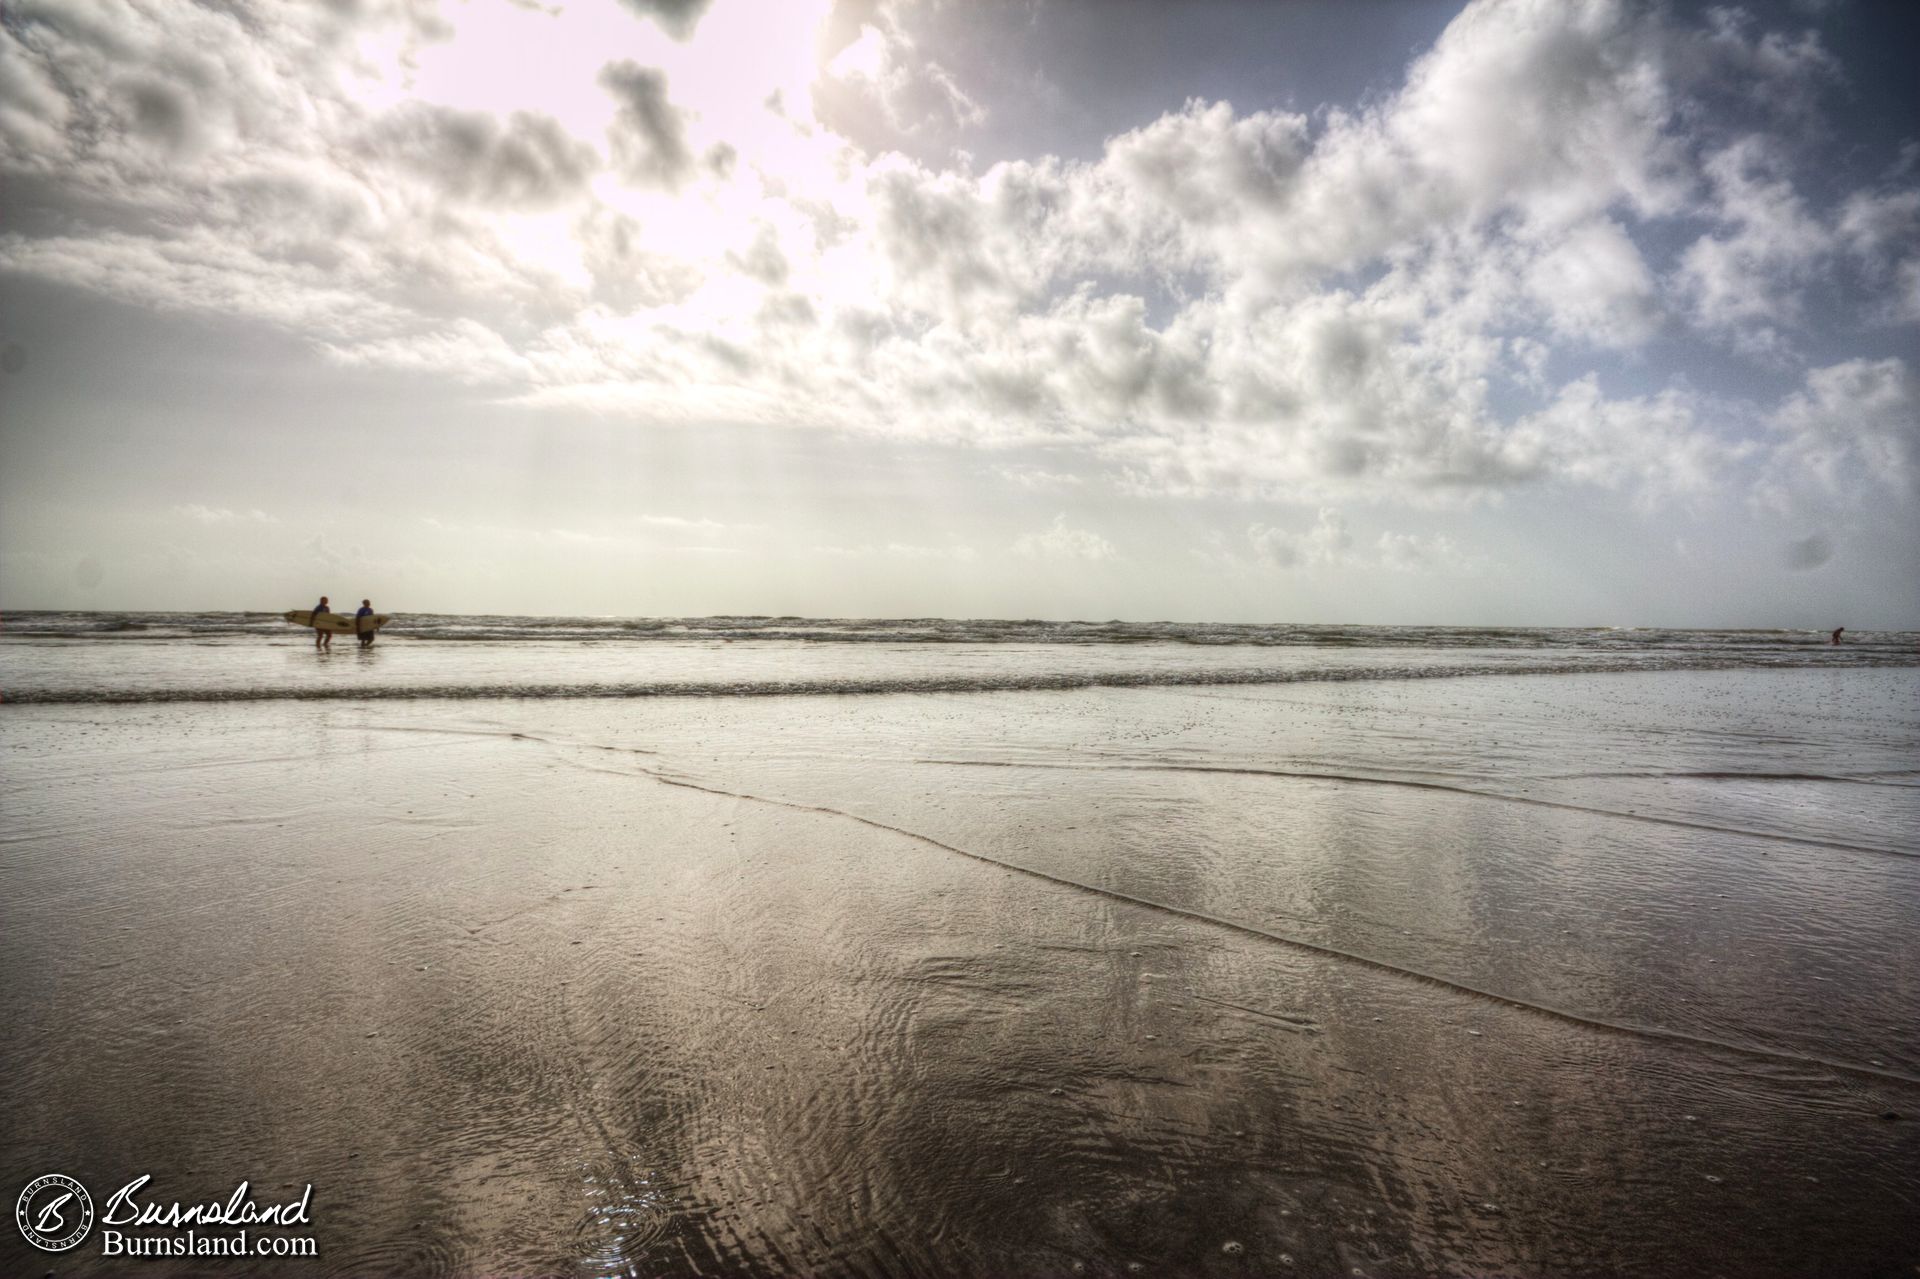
x=885 y=63
x=1061 y=541
x=1403 y=300
x=1746 y=279
x=1330 y=543
x=1593 y=286
x=201 y=513
x=1327 y=542
x=1882 y=231
x=1651 y=445
x=1851 y=427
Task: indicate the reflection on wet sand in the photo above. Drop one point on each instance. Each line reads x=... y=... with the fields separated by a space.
x=709 y=988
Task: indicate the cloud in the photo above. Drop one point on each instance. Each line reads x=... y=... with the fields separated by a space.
x=1039 y=479
x=1203 y=164
x=1881 y=230
x=957 y=553
x=628 y=273
x=677 y=17
x=1412 y=553
x=1651 y=445
x=1746 y=280
x=1592 y=285
x=202 y=514
x=1806 y=553
x=681 y=521
x=1327 y=542
x=1851 y=427
x=912 y=90
x=528 y=161
x=34 y=113
x=649 y=136
x=763 y=259
x=1330 y=543
x=1060 y=541
x=1395 y=301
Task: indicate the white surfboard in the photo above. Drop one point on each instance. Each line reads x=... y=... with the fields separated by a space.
x=338 y=623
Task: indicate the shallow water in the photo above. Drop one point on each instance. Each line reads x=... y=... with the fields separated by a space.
x=1557 y=974
x=112 y=657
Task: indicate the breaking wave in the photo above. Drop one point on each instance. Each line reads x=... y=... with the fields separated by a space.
x=1012 y=680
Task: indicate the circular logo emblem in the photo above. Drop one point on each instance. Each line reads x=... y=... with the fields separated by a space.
x=54 y=1212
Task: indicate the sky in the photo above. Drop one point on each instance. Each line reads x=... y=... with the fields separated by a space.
x=1532 y=312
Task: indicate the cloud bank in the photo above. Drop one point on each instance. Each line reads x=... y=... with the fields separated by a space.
x=1471 y=285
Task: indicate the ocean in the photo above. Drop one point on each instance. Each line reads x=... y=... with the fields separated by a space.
x=79 y=657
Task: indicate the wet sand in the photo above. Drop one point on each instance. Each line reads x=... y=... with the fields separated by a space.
x=1527 y=975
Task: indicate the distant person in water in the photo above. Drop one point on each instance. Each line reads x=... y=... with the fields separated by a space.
x=322 y=639
x=1836 y=635
x=362 y=623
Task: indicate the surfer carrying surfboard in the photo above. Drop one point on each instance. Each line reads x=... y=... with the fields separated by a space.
x=327 y=622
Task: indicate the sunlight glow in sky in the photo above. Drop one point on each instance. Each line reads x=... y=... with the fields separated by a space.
x=1530 y=311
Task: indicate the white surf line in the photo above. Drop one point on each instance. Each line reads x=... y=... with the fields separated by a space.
x=1060 y=681
x=1358 y=780
x=1637 y=1030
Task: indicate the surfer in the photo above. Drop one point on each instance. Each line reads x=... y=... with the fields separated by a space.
x=322 y=638
x=362 y=625
x=1836 y=635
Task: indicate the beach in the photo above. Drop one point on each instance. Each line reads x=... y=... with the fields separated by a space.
x=1452 y=960
x=1058 y=640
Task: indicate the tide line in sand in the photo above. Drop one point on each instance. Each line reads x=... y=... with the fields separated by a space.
x=1658 y=1034
x=1360 y=780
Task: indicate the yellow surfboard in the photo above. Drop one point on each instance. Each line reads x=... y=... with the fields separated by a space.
x=338 y=623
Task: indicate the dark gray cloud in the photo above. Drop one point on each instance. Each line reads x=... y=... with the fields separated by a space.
x=162 y=113
x=763 y=260
x=1809 y=552
x=649 y=138
x=527 y=162
x=676 y=17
